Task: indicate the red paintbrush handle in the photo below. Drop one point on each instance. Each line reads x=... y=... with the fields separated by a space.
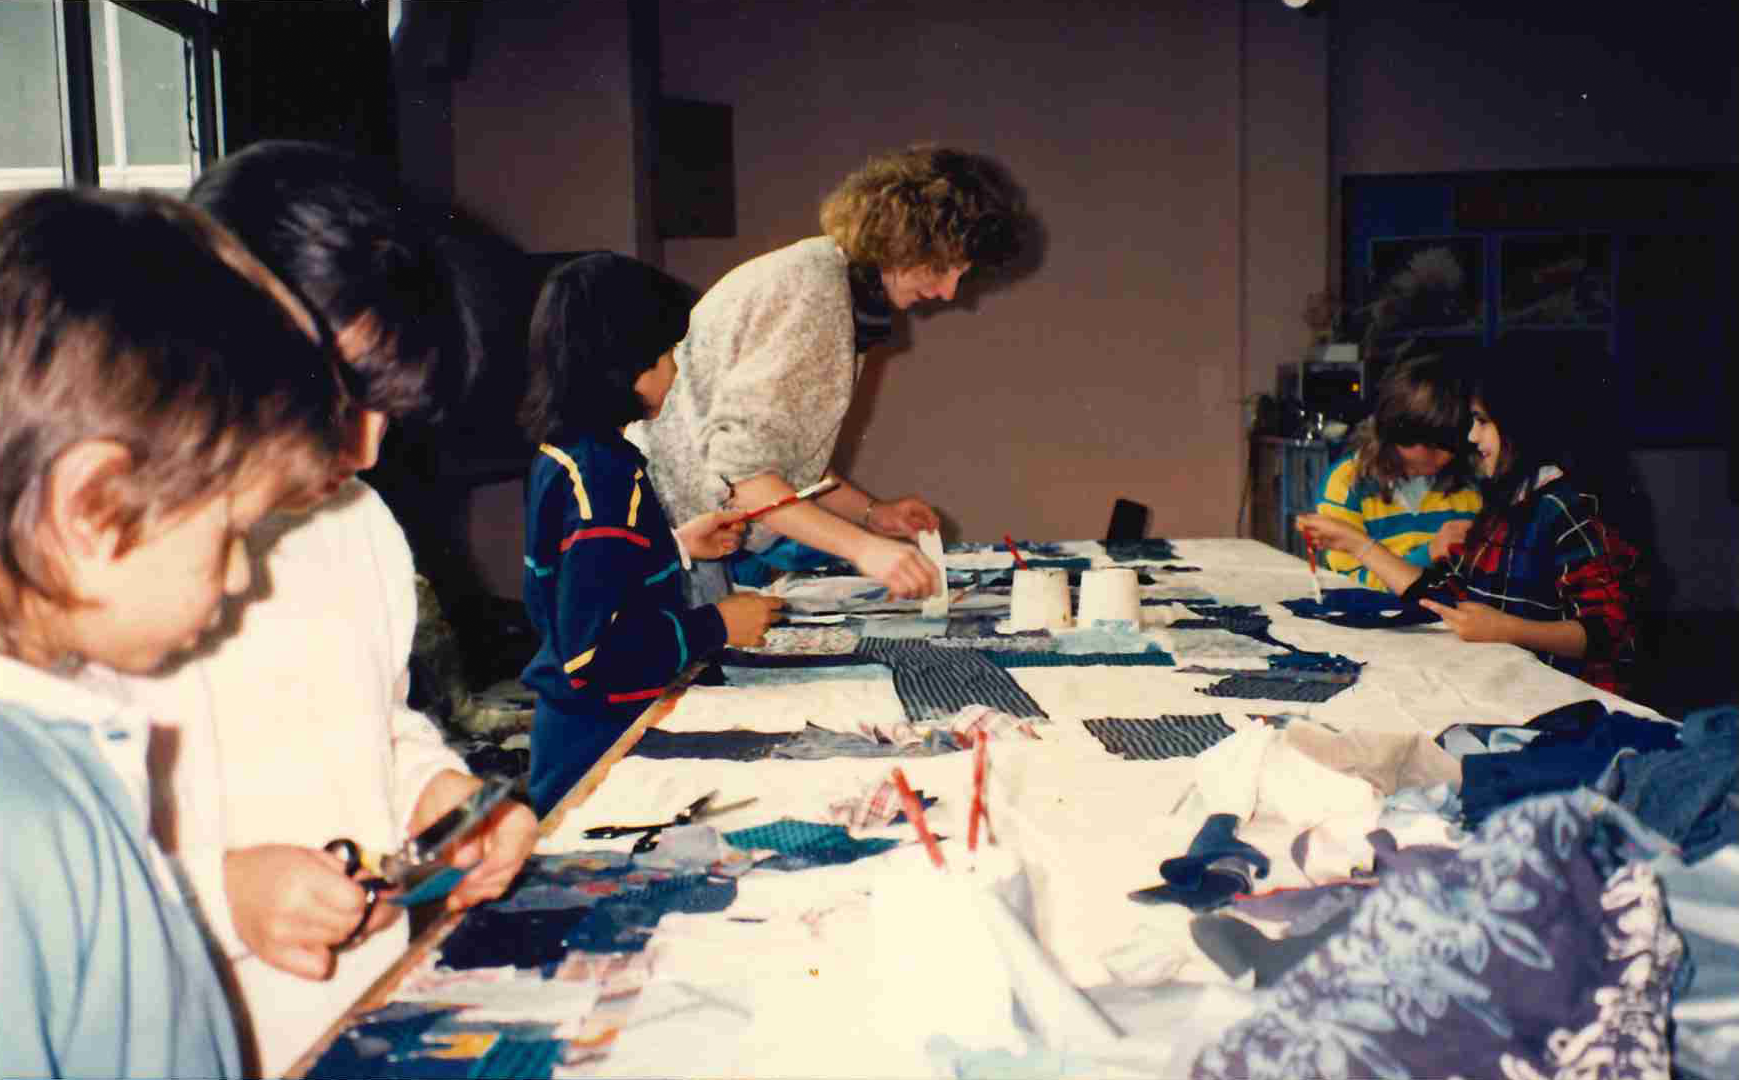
x=978 y=753
x=915 y=811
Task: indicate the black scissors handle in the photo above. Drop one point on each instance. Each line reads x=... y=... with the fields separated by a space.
x=351 y=855
x=605 y=832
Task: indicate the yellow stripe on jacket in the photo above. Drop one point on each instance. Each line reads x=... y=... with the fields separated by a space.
x=579 y=485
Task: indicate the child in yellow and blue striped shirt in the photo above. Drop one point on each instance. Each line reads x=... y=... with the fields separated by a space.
x=1407 y=481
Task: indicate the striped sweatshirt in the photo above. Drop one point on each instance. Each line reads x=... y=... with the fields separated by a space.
x=1358 y=500
x=603 y=586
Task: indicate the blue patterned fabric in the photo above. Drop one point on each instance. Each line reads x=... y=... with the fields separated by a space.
x=933 y=683
x=1363 y=609
x=803 y=844
x=1539 y=950
x=1018 y=658
x=1689 y=794
x=1159 y=737
x=709 y=745
x=1273 y=687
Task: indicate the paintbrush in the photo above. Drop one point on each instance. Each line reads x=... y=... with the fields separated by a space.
x=1020 y=563
x=1310 y=549
x=825 y=484
x=915 y=814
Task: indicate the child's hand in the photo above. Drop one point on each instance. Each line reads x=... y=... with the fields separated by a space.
x=711 y=535
x=1451 y=532
x=902 y=517
x=495 y=856
x=292 y=905
x=1474 y=621
x=747 y=617
x=492 y=858
x=1331 y=534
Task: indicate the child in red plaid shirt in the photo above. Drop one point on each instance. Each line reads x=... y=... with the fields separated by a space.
x=1540 y=567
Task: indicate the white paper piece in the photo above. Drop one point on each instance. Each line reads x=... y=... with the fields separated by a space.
x=930 y=543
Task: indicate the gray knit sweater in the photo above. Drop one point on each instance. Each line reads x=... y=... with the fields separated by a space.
x=763 y=381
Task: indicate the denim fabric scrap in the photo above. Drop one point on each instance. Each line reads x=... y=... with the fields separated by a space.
x=1217 y=867
x=1574 y=756
x=1019 y=658
x=1542 y=948
x=1273 y=687
x=1153 y=549
x=934 y=683
x=1686 y=794
x=1363 y=609
x=709 y=745
x=1159 y=737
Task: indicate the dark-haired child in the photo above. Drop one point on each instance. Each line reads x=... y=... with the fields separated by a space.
x=263 y=778
x=1541 y=567
x=603 y=569
x=1407 y=479
x=160 y=392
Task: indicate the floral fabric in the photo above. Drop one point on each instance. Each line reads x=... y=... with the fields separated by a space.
x=1534 y=953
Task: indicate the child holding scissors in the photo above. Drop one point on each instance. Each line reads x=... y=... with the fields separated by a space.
x=161 y=392
x=294 y=730
x=603 y=568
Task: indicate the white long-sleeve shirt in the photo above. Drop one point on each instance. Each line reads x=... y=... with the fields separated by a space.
x=293 y=729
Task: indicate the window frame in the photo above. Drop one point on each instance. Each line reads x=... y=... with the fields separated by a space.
x=78 y=75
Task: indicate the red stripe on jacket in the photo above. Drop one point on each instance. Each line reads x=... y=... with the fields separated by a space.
x=634 y=695
x=603 y=531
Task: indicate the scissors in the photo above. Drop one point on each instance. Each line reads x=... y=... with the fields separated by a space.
x=698 y=810
x=420 y=866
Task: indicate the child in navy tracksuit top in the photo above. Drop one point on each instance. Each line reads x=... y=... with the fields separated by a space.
x=603 y=568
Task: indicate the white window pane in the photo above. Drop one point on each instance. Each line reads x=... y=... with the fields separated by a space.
x=30 y=138
x=143 y=92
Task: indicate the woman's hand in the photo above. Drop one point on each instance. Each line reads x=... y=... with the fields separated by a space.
x=1331 y=534
x=905 y=517
x=293 y=905
x=747 y=617
x=711 y=535
x=1450 y=533
x=899 y=566
x=1473 y=621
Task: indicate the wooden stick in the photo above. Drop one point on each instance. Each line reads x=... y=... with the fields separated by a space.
x=585 y=785
x=382 y=989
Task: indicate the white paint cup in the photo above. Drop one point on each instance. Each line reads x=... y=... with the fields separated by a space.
x=1040 y=600
x=1109 y=595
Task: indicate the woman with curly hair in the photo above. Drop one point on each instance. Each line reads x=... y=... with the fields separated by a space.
x=775 y=348
x=1407 y=481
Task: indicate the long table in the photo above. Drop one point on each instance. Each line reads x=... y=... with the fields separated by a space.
x=771 y=940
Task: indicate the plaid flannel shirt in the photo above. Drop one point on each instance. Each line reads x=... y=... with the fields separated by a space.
x=1550 y=558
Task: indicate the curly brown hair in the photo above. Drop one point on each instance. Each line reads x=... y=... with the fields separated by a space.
x=927 y=206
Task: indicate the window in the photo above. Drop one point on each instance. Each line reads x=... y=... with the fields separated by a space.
x=121 y=94
x=30 y=142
